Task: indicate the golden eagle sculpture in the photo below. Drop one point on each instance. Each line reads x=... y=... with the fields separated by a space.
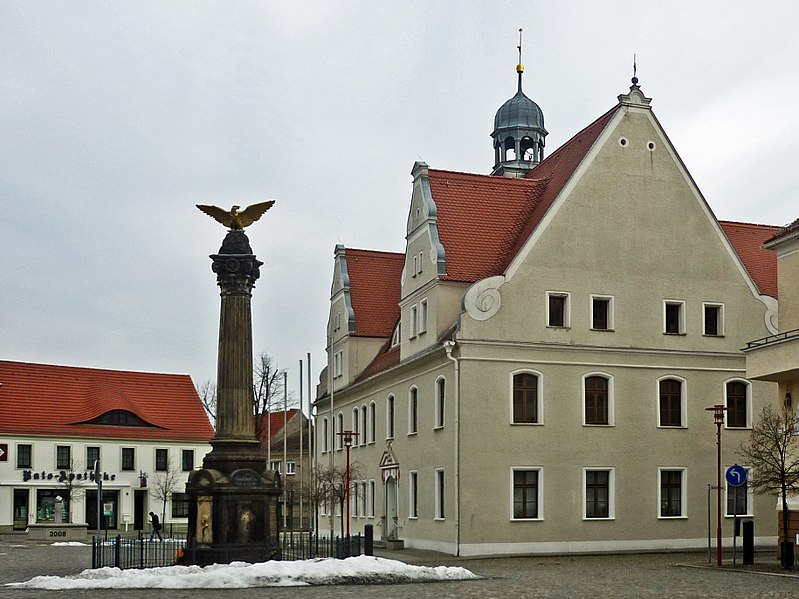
x=233 y=218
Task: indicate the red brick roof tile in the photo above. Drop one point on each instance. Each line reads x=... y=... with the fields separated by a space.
x=748 y=240
x=43 y=399
x=374 y=290
x=273 y=422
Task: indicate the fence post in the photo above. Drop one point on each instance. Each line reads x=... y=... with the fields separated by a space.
x=117 y=544
x=369 y=539
x=94 y=552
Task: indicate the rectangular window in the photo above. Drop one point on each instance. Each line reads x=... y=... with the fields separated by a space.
x=601 y=313
x=674 y=317
x=713 y=319
x=415 y=265
x=364 y=499
x=128 y=458
x=371 y=498
x=441 y=396
x=414 y=321
x=670 y=400
x=423 y=316
x=439 y=495
x=92 y=456
x=338 y=358
x=63 y=457
x=162 y=460
x=275 y=465
x=526 y=494
x=672 y=493
x=737 y=414
x=420 y=263
x=525 y=398
x=372 y=422
x=180 y=505
x=325 y=436
x=597 y=400
x=557 y=309
x=187 y=460
x=598 y=494
x=413 y=494
x=24 y=455
x=291 y=468
x=413 y=411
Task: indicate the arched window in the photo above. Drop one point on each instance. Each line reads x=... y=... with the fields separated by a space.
x=737 y=394
x=356 y=428
x=372 y=422
x=325 y=435
x=364 y=438
x=525 y=398
x=441 y=397
x=670 y=402
x=339 y=428
x=390 y=417
x=597 y=399
x=413 y=411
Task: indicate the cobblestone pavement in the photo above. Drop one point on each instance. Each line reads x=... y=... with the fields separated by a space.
x=617 y=576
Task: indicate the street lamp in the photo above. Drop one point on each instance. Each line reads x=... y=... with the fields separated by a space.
x=347 y=437
x=718 y=419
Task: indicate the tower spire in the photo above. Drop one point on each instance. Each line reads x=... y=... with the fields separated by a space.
x=635 y=70
x=520 y=66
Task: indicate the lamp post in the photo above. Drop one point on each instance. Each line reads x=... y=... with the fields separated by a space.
x=718 y=419
x=347 y=437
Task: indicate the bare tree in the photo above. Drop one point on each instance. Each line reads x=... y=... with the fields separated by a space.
x=164 y=484
x=773 y=453
x=73 y=483
x=207 y=392
x=316 y=492
x=334 y=480
x=267 y=387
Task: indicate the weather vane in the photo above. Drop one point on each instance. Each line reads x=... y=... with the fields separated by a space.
x=233 y=218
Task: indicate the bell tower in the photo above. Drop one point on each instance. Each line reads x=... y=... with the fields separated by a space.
x=519 y=134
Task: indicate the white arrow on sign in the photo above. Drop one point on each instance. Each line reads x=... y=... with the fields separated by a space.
x=2 y=452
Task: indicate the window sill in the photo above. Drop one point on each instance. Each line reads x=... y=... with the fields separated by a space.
x=673 y=426
x=593 y=425
x=604 y=330
x=738 y=428
x=526 y=423
x=526 y=519
x=413 y=517
x=674 y=334
x=739 y=516
x=438 y=428
x=413 y=434
x=558 y=326
x=711 y=335
x=587 y=519
x=672 y=517
x=439 y=519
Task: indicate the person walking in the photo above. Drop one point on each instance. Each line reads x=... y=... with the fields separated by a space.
x=156 y=527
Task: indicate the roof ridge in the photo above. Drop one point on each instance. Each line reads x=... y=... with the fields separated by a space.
x=499 y=179
x=385 y=252
x=738 y=222
x=93 y=368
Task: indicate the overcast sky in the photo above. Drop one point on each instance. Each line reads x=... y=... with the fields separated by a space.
x=116 y=118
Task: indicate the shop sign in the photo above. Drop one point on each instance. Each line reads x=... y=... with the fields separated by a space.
x=63 y=476
x=108 y=509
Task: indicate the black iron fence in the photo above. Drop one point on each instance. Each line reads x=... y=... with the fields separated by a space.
x=307 y=545
x=122 y=551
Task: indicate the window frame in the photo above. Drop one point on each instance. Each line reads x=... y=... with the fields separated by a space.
x=325 y=435
x=539 y=407
x=89 y=461
x=29 y=464
x=747 y=399
x=681 y=321
x=339 y=439
x=683 y=492
x=122 y=461
x=440 y=403
x=390 y=416
x=372 y=422
x=413 y=495
x=183 y=454
x=720 y=321
x=356 y=426
x=413 y=410
x=182 y=501
x=566 y=309
x=683 y=401
x=156 y=453
x=440 y=496
x=371 y=503
x=609 y=312
x=364 y=438
x=611 y=493
x=539 y=493
x=414 y=321
x=611 y=419
x=422 y=316
x=59 y=465
x=338 y=364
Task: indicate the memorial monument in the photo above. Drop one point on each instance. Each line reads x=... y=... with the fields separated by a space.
x=234 y=505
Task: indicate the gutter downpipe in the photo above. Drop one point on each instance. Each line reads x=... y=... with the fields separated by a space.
x=448 y=347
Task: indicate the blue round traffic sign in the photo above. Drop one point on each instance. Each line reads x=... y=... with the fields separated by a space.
x=736 y=475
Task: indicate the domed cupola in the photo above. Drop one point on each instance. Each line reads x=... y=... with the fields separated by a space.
x=519 y=132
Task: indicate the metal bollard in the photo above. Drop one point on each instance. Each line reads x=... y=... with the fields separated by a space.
x=369 y=539
x=749 y=542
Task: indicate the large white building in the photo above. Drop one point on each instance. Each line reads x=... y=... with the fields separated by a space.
x=57 y=421
x=532 y=374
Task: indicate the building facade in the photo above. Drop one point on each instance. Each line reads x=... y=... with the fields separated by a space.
x=146 y=430
x=531 y=374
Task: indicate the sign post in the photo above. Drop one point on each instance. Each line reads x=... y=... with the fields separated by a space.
x=98 y=478
x=736 y=478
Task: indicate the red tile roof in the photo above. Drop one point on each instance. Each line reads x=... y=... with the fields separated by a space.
x=42 y=399
x=748 y=240
x=374 y=290
x=386 y=358
x=786 y=231
x=273 y=422
x=484 y=220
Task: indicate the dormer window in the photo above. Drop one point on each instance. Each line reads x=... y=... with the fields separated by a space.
x=395 y=338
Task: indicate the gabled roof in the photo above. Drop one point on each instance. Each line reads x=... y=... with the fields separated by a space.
x=748 y=240
x=484 y=220
x=43 y=399
x=789 y=230
x=374 y=290
x=273 y=422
